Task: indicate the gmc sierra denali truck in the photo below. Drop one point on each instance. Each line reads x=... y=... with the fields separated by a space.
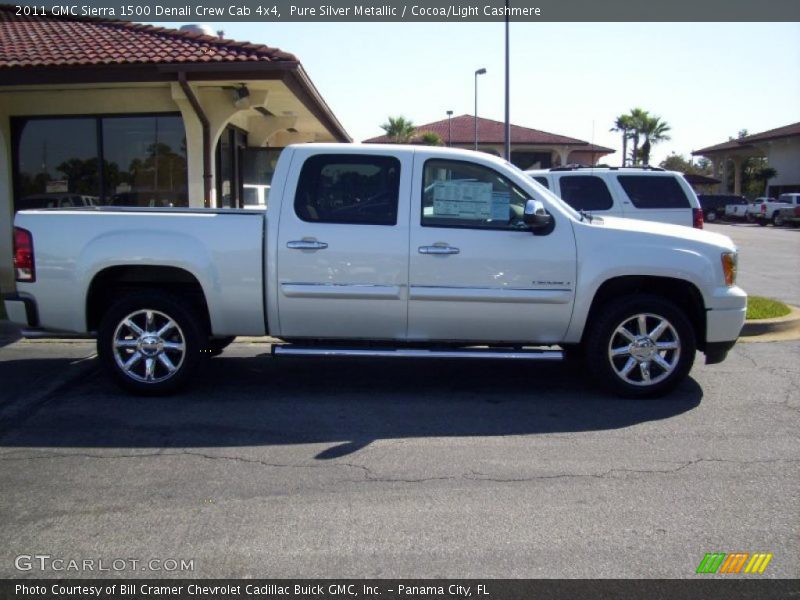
x=389 y=251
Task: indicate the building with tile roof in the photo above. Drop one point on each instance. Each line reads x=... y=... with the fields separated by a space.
x=781 y=148
x=530 y=148
x=111 y=112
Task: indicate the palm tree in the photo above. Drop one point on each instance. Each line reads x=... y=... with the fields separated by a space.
x=429 y=138
x=624 y=124
x=638 y=118
x=764 y=174
x=654 y=130
x=399 y=129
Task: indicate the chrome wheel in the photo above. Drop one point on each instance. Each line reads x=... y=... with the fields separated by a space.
x=644 y=349
x=149 y=346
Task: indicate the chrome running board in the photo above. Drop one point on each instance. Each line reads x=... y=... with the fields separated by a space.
x=45 y=334
x=479 y=353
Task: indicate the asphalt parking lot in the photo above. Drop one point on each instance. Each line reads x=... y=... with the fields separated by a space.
x=769 y=259
x=365 y=468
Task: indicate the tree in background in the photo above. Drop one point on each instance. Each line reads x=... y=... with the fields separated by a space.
x=637 y=119
x=654 y=130
x=429 y=138
x=624 y=124
x=644 y=130
x=399 y=129
x=756 y=173
x=763 y=175
x=676 y=162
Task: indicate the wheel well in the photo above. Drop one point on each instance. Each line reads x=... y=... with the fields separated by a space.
x=679 y=291
x=109 y=284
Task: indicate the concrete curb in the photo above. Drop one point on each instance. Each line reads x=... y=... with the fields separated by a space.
x=779 y=324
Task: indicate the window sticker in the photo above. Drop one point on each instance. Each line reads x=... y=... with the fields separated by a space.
x=501 y=206
x=461 y=199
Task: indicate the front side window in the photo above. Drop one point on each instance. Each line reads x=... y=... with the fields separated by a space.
x=654 y=191
x=462 y=194
x=355 y=189
x=585 y=192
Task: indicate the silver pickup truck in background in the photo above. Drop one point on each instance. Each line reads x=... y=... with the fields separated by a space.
x=388 y=251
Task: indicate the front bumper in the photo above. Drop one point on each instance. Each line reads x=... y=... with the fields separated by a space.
x=725 y=317
x=21 y=310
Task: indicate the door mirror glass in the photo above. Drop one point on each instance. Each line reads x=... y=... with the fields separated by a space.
x=536 y=216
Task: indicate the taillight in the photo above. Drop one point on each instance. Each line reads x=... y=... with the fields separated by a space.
x=763 y=208
x=697 y=218
x=23 y=255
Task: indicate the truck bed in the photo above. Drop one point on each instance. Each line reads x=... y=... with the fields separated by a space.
x=223 y=249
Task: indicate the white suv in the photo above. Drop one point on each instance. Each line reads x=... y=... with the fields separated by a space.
x=646 y=193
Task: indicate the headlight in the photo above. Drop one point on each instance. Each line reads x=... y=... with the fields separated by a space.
x=729 y=262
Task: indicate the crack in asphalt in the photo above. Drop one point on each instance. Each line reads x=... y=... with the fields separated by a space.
x=369 y=475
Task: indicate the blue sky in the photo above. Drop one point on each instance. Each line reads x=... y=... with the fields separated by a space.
x=707 y=80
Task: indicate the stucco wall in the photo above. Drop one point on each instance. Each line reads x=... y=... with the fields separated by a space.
x=784 y=157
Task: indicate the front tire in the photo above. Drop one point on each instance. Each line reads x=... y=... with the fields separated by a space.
x=151 y=342
x=640 y=347
x=778 y=220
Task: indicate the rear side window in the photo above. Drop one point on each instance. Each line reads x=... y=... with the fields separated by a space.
x=585 y=192
x=543 y=181
x=350 y=188
x=654 y=191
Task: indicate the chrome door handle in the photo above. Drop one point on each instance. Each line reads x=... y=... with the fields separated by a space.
x=438 y=250
x=306 y=245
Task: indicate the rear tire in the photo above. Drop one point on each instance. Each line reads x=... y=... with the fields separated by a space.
x=151 y=342
x=640 y=347
x=711 y=217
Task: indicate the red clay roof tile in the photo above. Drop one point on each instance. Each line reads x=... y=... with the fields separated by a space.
x=62 y=41
x=491 y=132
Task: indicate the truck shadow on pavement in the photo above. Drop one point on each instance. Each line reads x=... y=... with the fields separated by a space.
x=258 y=400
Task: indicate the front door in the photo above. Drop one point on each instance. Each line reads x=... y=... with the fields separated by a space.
x=477 y=273
x=343 y=246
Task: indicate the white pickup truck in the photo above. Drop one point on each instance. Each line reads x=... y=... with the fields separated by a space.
x=768 y=210
x=386 y=251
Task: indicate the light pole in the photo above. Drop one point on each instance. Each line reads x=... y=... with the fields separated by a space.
x=449 y=129
x=478 y=72
x=507 y=145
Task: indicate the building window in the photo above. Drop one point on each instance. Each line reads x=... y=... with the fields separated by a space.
x=258 y=167
x=143 y=160
x=232 y=143
x=56 y=156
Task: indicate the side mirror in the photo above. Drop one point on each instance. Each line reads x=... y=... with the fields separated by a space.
x=536 y=217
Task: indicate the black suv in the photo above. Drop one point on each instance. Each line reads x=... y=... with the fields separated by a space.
x=713 y=205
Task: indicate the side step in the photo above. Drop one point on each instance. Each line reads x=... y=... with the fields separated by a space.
x=46 y=334
x=480 y=353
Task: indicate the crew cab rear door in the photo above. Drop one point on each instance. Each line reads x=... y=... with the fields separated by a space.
x=343 y=244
